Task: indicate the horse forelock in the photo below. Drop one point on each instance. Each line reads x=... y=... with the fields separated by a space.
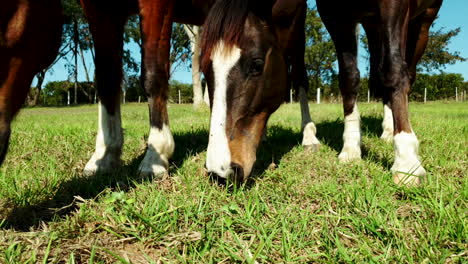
x=224 y=24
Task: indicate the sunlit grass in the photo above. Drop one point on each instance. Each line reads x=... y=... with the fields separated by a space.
x=306 y=207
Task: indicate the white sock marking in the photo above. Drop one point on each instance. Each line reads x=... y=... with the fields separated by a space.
x=351 y=137
x=109 y=142
x=218 y=157
x=308 y=126
x=407 y=168
x=160 y=148
x=387 y=124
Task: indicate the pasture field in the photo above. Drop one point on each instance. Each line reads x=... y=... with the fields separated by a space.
x=300 y=207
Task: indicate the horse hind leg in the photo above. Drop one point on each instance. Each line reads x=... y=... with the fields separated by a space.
x=156 y=26
x=300 y=84
x=375 y=82
x=344 y=37
x=108 y=40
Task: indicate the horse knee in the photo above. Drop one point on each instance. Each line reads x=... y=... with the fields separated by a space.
x=395 y=78
x=349 y=79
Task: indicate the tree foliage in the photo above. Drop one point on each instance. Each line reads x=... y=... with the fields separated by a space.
x=437 y=54
x=320 y=53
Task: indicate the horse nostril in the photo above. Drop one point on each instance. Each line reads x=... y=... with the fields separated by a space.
x=237 y=173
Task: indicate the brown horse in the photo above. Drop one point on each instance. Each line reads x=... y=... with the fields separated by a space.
x=251 y=50
x=397 y=31
x=106 y=25
x=30 y=34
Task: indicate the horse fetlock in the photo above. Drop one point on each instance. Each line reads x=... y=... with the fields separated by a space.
x=349 y=153
x=309 y=140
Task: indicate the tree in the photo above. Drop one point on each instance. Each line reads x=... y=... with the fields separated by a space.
x=437 y=54
x=193 y=32
x=320 y=53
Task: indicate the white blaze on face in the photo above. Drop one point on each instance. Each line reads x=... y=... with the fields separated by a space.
x=160 y=149
x=351 y=137
x=387 y=124
x=109 y=142
x=218 y=157
x=407 y=168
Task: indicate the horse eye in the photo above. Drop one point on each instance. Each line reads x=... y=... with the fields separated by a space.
x=256 y=68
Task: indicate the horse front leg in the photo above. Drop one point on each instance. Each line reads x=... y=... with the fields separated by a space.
x=395 y=77
x=13 y=92
x=157 y=26
x=107 y=31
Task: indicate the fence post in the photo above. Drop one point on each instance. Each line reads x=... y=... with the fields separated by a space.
x=456 y=94
x=318 y=95
x=68 y=97
x=139 y=99
x=290 y=96
x=179 y=96
x=124 y=95
x=425 y=95
x=95 y=95
x=368 y=95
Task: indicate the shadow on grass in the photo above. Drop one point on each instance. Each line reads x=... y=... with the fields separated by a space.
x=64 y=202
x=279 y=142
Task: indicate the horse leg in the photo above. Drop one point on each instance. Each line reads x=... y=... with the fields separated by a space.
x=395 y=78
x=374 y=81
x=344 y=37
x=300 y=83
x=418 y=35
x=107 y=31
x=157 y=25
x=13 y=92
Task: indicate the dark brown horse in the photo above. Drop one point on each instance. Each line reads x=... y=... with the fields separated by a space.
x=397 y=31
x=251 y=50
x=30 y=34
x=107 y=26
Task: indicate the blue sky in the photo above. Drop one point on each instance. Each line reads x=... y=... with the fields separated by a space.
x=452 y=14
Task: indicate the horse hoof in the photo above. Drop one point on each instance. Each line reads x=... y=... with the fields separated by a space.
x=409 y=177
x=155 y=173
x=101 y=166
x=312 y=148
x=349 y=155
x=387 y=137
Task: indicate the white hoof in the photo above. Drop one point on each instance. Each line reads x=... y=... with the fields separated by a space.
x=349 y=154
x=387 y=136
x=407 y=169
x=309 y=140
x=103 y=165
x=160 y=148
x=409 y=173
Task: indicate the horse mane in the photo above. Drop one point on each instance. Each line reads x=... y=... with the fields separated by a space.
x=225 y=22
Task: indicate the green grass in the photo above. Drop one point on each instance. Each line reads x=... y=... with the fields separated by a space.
x=306 y=208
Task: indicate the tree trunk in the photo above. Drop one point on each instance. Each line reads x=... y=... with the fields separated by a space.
x=194 y=35
x=40 y=80
x=206 y=96
x=75 y=53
